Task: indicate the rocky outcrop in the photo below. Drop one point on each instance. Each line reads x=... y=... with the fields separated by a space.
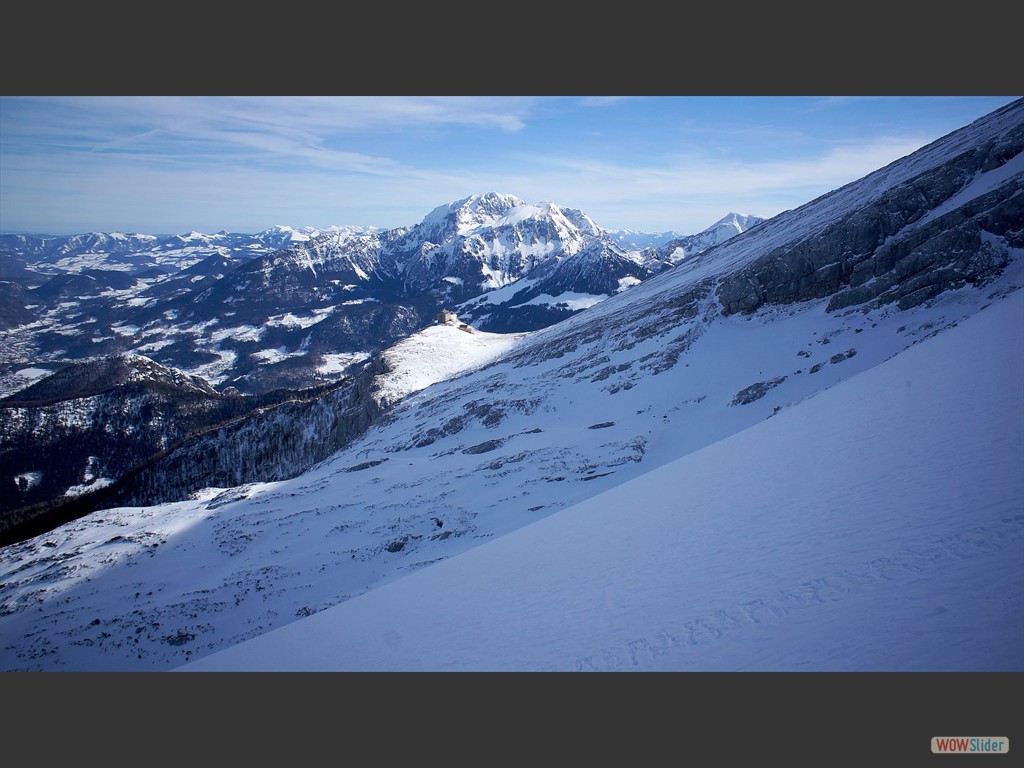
x=756 y=391
x=903 y=248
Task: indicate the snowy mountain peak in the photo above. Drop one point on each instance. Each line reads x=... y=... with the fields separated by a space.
x=740 y=222
x=473 y=212
x=489 y=202
x=290 y=234
x=582 y=222
x=678 y=249
x=489 y=241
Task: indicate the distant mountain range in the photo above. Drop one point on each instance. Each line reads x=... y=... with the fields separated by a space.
x=42 y=255
x=139 y=344
x=291 y=307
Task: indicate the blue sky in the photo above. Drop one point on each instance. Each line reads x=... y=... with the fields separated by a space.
x=172 y=164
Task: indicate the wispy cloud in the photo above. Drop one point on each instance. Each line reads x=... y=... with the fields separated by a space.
x=163 y=164
x=686 y=177
x=175 y=125
x=691 y=191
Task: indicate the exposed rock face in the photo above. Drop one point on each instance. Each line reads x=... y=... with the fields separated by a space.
x=598 y=269
x=905 y=247
x=756 y=391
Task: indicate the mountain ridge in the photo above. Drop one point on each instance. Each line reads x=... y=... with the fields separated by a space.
x=208 y=305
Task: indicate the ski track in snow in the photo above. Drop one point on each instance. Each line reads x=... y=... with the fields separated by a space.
x=668 y=647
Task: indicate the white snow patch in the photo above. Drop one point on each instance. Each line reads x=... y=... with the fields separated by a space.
x=152 y=346
x=438 y=353
x=239 y=333
x=569 y=299
x=500 y=295
x=275 y=355
x=197 y=329
x=288 y=320
x=339 y=362
x=216 y=371
x=32 y=375
x=90 y=465
x=26 y=481
x=78 y=490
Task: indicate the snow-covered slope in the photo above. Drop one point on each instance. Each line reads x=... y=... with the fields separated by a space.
x=876 y=526
x=442 y=351
x=741 y=339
